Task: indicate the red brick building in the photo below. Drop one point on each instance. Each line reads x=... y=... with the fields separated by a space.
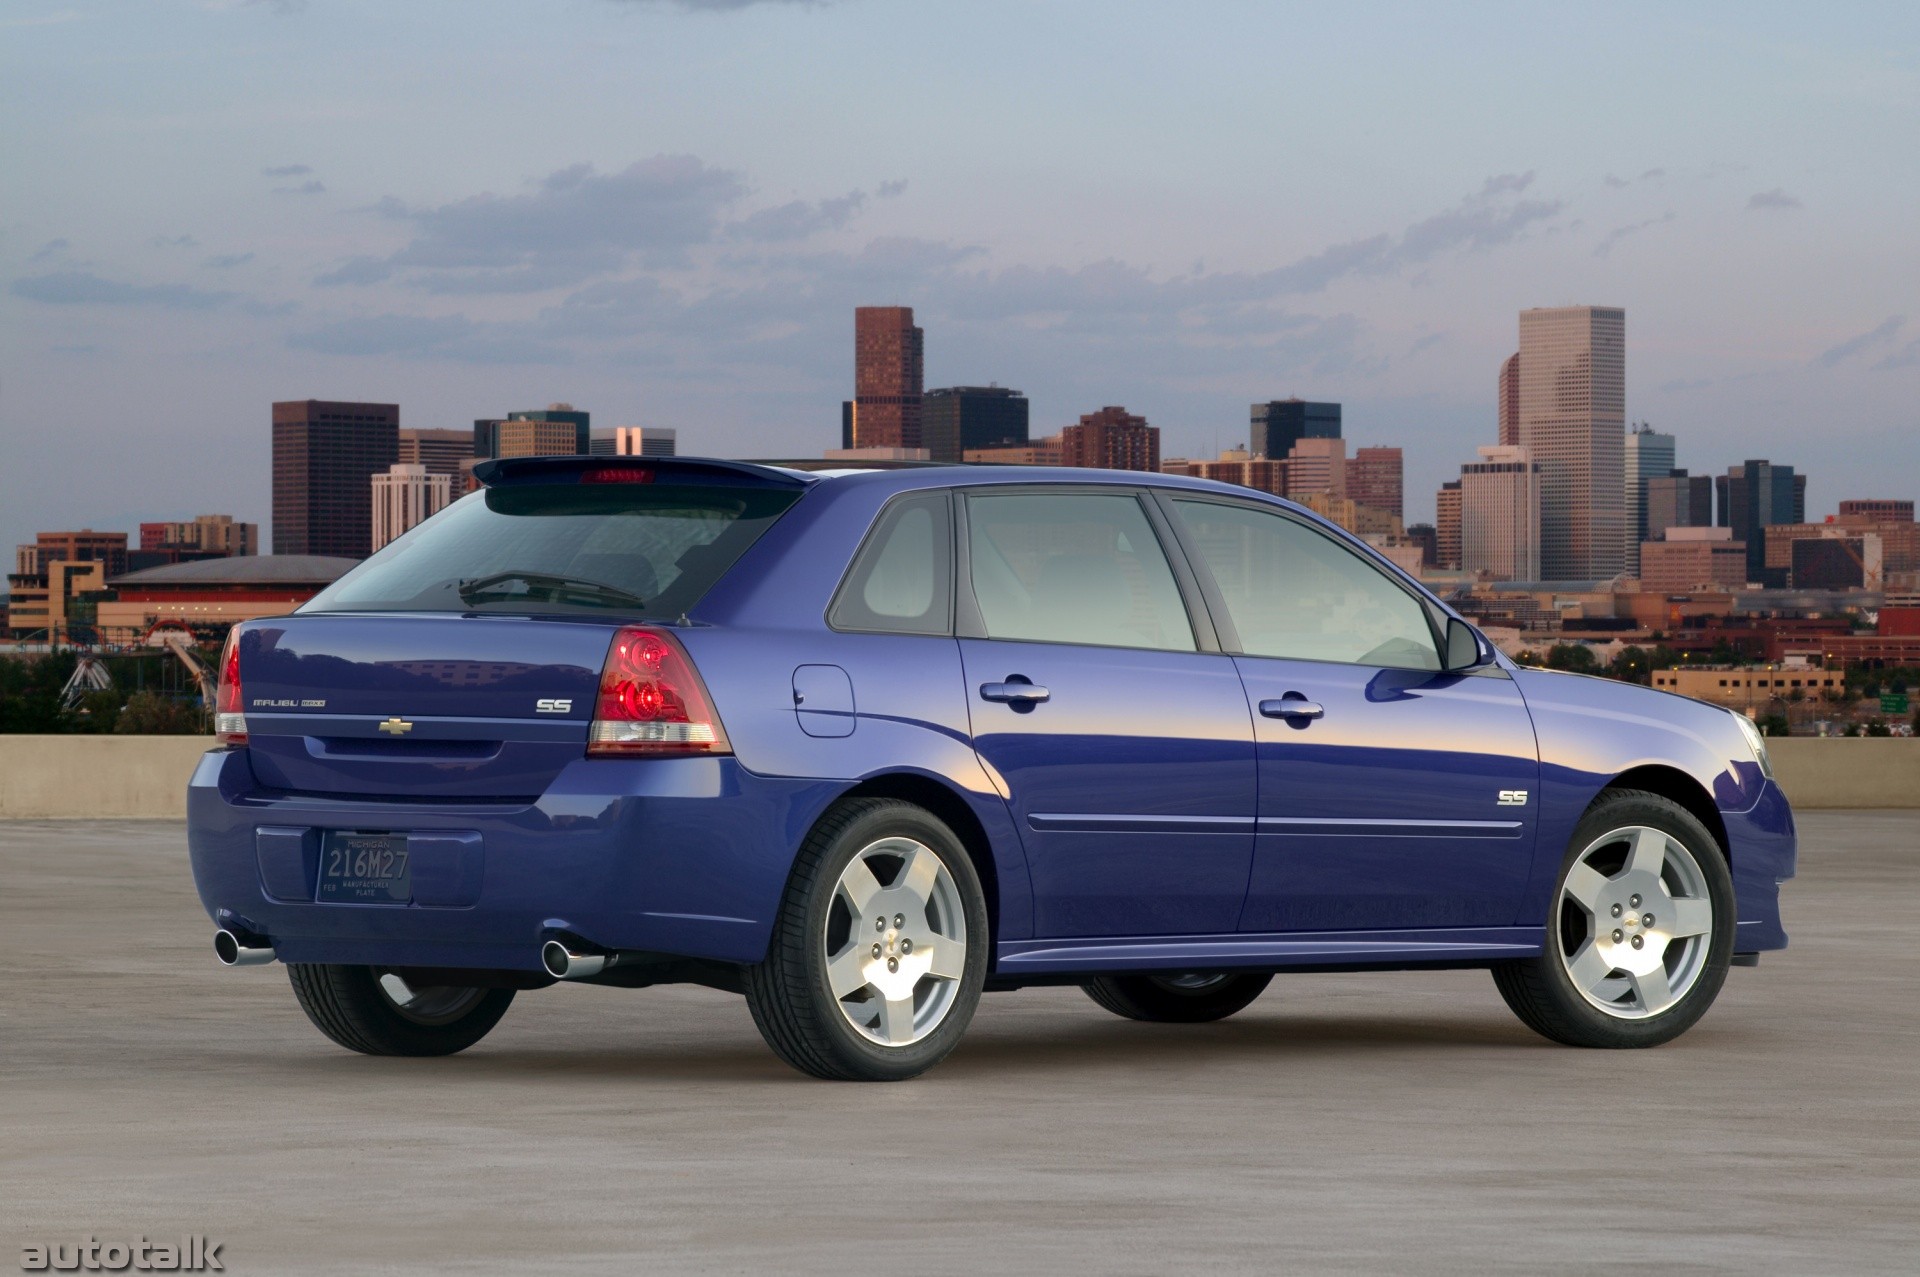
x=1111 y=439
x=888 y=377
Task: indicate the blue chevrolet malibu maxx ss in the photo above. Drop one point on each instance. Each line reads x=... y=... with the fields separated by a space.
x=862 y=745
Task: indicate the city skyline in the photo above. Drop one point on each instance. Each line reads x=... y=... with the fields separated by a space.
x=652 y=246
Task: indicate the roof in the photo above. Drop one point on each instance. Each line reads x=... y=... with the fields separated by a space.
x=245 y=569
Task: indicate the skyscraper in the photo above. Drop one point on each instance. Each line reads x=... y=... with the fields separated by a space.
x=1500 y=514
x=1649 y=456
x=1111 y=439
x=888 y=359
x=1752 y=495
x=440 y=451
x=1678 y=500
x=1510 y=401
x=1275 y=426
x=325 y=454
x=635 y=441
x=1376 y=477
x=1446 y=526
x=557 y=430
x=1317 y=467
x=405 y=497
x=1573 y=392
x=957 y=419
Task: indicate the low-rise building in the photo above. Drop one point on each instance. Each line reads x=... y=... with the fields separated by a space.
x=1750 y=687
x=216 y=593
x=1693 y=558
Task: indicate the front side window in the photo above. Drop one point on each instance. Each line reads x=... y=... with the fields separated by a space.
x=902 y=580
x=1293 y=591
x=1056 y=566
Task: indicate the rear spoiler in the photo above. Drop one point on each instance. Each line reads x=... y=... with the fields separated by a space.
x=576 y=469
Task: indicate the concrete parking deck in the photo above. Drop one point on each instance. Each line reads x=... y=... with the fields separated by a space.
x=1375 y=1123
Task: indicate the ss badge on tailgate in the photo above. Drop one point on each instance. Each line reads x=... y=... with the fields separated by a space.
x=551 y=705
x=1513 y=798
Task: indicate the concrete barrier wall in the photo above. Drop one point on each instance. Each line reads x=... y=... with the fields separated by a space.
x=97 y=777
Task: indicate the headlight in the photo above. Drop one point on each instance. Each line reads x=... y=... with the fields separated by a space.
x=1756 y=740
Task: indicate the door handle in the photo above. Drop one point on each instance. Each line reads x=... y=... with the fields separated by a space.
x=1017 y=694
x=1292 y=708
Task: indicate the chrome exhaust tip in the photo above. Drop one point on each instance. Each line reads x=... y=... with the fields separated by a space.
x=563 y=963
x=238 y=949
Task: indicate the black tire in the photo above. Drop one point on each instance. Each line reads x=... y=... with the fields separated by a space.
x=349 y=1005
x=790 y=997
x=1184 y=999
x=1543 y=993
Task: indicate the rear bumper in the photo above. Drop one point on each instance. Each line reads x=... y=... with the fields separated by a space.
x=679 y=856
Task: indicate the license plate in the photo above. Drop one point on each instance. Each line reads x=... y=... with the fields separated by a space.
x=365 y=869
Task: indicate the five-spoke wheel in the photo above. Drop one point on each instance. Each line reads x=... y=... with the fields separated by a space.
x=880 y=950
x=1639 y=934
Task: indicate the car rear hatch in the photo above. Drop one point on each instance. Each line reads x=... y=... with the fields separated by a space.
x=462 y=662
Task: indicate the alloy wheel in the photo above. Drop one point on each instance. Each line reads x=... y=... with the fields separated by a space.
x=1634 y=922
x=896 y=940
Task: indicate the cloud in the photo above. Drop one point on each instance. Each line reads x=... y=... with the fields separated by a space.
x=724 y=6
x=453 y=337
x=51 y=249
x=887 y=190
x=1653 y=175
x=1619 y=233
x=305 y=188
x=174 y=241
x=227 y=261
x=355 y=270
x=1908 y=356
x=577 y=224
x=80 y=288
x=1879 y=335
x=1775 y=200
x=1616 y=182
x=285 y=170
x=798 y=219
x=762 y=299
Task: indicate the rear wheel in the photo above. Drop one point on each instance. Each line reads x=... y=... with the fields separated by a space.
x=1639 y=934
x=1192 y=997
x=880 y=949
x=376 y=1012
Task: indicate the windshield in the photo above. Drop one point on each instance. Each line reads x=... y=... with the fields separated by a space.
x=650 y=549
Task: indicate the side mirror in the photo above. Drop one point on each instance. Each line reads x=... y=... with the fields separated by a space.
x=1463 y=647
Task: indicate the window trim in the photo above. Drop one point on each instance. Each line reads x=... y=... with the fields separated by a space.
x=945 y=497
x=968 y=622
x=1435 y=616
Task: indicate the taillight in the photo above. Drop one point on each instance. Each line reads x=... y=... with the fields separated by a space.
x=229 y=723
x=652 y=701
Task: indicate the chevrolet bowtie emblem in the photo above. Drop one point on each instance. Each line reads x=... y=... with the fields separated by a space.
x=396 y=726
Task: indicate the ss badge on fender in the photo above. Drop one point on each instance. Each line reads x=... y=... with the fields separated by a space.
x=1513 y=798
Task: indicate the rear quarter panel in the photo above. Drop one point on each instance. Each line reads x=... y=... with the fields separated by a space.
x=768 y=617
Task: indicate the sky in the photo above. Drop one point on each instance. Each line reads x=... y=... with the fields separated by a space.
x=665 y=211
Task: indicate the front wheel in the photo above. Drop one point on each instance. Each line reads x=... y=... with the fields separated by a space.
x=376 y=1012
x=1639 y=934
x=880 y=949
x=1194 y=997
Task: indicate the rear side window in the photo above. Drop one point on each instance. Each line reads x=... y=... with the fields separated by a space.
x=646 y=549
x=902 y=580
x=1073 y=567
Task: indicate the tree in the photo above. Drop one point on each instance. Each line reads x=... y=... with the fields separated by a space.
x=151 y=714
x=1774 y=725
x=1878 y=727
x=1632 y=665
x=1577 y=657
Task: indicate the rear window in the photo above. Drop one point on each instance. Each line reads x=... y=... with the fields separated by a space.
x=651 y=549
